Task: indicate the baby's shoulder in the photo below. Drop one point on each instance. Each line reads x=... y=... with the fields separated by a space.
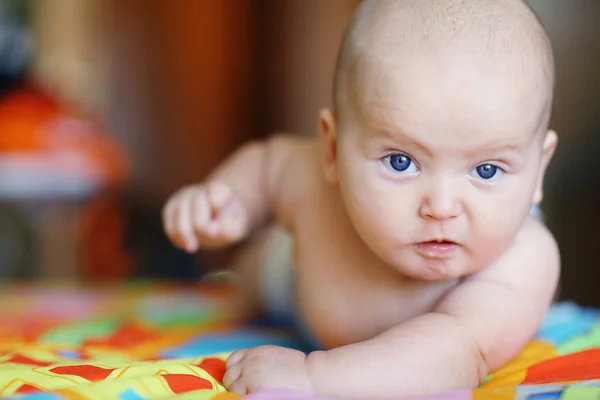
x=531 y=259
x=291 y=150
x=295 y=167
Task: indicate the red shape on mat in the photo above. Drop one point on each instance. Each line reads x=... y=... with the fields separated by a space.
x=583 y=365
x=181 y=383
x=89 y=372
x=215 y=368
x=20 y=359
x=28 y=389
x=128 y=335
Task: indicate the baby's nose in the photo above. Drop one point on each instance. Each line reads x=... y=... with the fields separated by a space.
x=440 y=203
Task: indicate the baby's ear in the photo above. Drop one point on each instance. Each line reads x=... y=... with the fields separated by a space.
x=550 y=143
x=328 y=129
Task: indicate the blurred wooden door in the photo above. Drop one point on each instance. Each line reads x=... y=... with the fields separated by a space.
x=194 y=68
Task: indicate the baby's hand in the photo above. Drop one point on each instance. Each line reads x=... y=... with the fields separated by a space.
x=205 y=216
x=267 y=367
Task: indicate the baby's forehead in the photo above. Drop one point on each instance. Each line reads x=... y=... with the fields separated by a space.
x=461 y=88
x=461 y=100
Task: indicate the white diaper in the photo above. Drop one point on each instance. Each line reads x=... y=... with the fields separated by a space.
x=276 y=280
x=536 y=212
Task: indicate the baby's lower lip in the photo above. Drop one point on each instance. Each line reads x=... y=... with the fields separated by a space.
x=438 y=250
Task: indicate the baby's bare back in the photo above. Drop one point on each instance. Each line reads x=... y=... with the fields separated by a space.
x=343 y=291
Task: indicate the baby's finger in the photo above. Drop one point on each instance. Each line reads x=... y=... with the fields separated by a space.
x=235 y=357
x=219 y=194
x=184 y=222
x=233 y=220
x=239 y=387
x=231 y=375
x=201 y=213
x=170 y=218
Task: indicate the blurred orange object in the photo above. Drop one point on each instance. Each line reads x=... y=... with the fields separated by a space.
x=102 y=236
x=33 y=124
x=22 y=113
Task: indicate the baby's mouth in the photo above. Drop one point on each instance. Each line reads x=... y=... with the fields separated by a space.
x=438 y=249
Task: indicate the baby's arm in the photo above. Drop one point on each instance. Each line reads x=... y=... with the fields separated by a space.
x=236 y=198
x=477 y=328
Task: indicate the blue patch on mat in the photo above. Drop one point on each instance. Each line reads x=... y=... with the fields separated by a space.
x=225 y=342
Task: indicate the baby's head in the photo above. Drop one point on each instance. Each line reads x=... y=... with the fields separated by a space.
x=439 y=138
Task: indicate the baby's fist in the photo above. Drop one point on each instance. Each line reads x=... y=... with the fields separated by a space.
x=267 y=367
x=205 y=216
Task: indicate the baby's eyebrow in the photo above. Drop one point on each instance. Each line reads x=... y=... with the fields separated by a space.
x=505 y=149
x=399 y=136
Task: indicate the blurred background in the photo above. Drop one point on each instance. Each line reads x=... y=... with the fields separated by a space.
x=107 y=107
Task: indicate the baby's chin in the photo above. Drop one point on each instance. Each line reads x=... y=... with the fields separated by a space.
x=432 y=274
x=419 y=268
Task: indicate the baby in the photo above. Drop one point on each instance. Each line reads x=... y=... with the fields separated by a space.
x=405 y=243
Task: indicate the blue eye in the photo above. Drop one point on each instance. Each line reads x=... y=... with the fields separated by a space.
x=399 y=163
x=487 y=172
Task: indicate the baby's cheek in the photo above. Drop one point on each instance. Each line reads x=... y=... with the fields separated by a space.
x=487 y=248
